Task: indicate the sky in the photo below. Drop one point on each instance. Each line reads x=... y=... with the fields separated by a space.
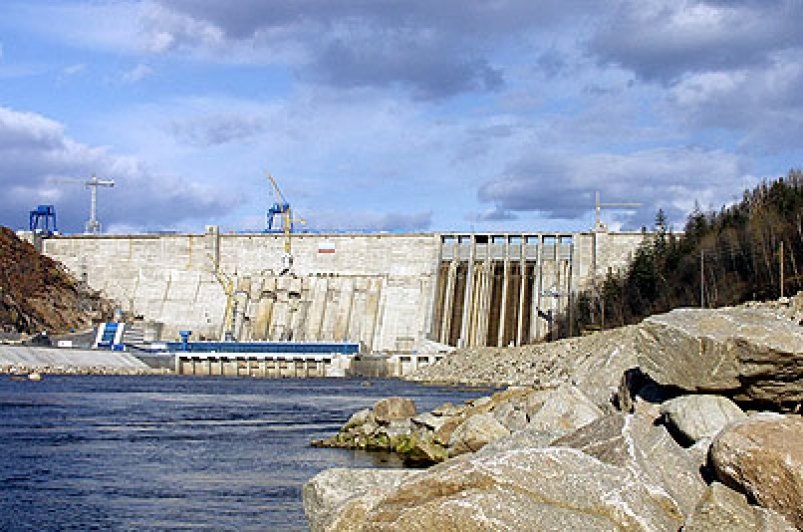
x=394 y=115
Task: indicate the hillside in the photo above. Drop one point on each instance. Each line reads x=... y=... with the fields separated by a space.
x=748 y=251
x=37 y=294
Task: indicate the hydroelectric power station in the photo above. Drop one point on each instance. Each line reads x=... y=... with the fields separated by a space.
x=389 y=293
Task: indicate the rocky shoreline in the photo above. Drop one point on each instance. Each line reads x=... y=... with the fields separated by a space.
x=690 y=419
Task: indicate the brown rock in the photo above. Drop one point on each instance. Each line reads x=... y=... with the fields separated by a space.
x=723 y=510
x=565 y=410
x=394 y=408
x=474 y=433
x=762 y=456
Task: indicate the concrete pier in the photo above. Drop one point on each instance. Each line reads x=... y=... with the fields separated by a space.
x=268 y=365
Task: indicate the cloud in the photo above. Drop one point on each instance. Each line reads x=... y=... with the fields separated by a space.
x=764 y=104
x=672 y=179
x=664 y=39
x=433 y=49
x=37 y=159
x=369 y=221
x=213 y=130
x=138 y=73
x=494 y=214
x=415 y=61
x=73 y=70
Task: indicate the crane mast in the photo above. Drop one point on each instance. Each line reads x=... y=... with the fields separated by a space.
x=281 y=208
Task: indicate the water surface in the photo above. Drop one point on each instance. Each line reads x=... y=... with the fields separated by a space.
x=122 y=453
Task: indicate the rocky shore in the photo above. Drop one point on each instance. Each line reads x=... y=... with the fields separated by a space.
x=688 y=420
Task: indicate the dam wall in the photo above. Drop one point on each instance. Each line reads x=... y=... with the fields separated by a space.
x=389 y=292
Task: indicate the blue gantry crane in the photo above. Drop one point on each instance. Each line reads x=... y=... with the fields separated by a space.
x=41 y=219
x=280 y=209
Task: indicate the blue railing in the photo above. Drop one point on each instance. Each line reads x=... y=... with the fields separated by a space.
x=265 y=347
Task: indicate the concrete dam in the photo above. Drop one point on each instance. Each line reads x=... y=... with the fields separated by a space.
x=391 y=293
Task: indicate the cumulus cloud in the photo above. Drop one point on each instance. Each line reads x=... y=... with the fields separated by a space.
x=562 y=186
x=664 y=39
x=434 y=49
x=38 y=160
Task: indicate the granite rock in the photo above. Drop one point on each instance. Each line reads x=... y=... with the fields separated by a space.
x=762 y=456
x=695 y=417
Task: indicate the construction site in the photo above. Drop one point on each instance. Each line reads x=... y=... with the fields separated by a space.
x=400 y=295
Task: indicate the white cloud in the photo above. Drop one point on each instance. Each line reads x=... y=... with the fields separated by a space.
x=138 y=73
x=73 y=70
x=562 y=185
x=36 y=156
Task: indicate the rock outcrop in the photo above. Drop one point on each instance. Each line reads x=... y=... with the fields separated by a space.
x=749 y=354
x=611 y=432
x=37 y=294
x=594 y=364
x=551 y=489
x=762 y=456
x=394 y=409
x=431 y=437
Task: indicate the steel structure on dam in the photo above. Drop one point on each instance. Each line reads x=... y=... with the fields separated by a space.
x=390 y=293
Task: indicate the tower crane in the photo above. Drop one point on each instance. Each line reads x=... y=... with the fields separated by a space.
x=281 y=208
x=92 y=225
x=598 y=206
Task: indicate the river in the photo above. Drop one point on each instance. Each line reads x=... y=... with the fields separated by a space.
x=124 y=453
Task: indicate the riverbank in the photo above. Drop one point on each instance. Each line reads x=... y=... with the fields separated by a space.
x=18 y=359
x=690 y=419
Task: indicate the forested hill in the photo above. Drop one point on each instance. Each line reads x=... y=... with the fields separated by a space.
x=746 y=251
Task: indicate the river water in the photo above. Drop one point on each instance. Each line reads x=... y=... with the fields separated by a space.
x=124 y=453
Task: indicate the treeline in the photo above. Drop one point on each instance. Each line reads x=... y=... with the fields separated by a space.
x=748 y=251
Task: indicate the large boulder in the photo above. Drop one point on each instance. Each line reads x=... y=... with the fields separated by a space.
x=327 y=492
x=523 y=489
x=474 y=433
x=723 y=510
x=511 y=416
x=750 y=354
x=647 y=451
x=599 y=368
x=394 y=408
x=695 y=417
x=419 y=448
x=762 y=456
x=565 y=410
